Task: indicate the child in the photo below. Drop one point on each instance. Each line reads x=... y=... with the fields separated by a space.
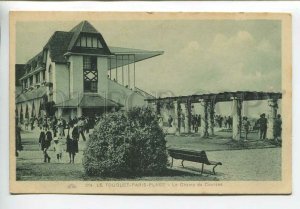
x=58 y=148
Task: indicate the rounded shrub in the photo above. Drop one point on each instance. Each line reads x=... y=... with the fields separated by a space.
x=126 y=144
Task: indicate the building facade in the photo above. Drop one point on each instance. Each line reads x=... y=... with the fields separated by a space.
x=77 y=73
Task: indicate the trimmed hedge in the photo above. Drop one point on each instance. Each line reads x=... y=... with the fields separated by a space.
x=126 y=144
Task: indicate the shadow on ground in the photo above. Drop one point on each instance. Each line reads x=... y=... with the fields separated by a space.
x=71 y=172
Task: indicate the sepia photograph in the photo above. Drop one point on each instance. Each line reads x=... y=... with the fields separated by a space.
x=150 y=103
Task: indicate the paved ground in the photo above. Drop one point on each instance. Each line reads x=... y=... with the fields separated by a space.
x=253 y=160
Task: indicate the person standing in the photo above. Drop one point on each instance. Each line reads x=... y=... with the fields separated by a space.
x=54 y=126
x=81 y=127
x=278 y=129
x=246 y=125
x=262 y=122
x=170 y=120
x=45 y=142
x=19 y=146
x=72 y=144
x=60 y=127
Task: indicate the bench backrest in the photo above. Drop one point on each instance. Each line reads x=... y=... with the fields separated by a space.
x=190 y=155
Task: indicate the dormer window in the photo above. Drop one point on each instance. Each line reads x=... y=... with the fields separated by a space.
x=89 y=41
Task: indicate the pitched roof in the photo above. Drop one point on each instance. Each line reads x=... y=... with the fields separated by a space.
x=62 y=43
x=20 y=71
x=58 y=45
x=33 y=94
x=88 y=101
x=85 y=27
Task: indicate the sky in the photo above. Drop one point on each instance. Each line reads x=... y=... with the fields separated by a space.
x=199 y=55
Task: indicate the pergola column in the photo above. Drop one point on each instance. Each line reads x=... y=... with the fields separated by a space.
x=273 y=106
x=206 y=114
x=236 y=118
x=211 y=111
x=158 y=107
x=175 y=117
x=183 y=121
x=188 y=116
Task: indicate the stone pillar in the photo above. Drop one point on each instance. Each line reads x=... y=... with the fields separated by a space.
x=175 y=117
x=183 y=122
x=158 y=107
x=273 y=106
x=205 y=117
x=33 y=79
x=79 y=112
x=236 y=118
x=41 y=77
x=179 y=111
x=188 y=117
x=211 y=112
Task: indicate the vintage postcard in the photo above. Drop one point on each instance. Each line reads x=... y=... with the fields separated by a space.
x=150 y=103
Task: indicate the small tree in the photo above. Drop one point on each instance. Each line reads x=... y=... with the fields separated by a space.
x=126 y=144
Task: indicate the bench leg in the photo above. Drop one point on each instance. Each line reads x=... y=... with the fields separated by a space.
x=182 y=163
x=202 y=168
x=214 y=169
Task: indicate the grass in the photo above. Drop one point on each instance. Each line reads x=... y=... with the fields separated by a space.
x=75 y=172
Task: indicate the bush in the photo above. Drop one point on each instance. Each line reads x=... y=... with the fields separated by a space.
x=126 y=144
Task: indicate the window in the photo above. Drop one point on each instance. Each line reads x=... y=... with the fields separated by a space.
x=89 y=41
x=95 y=42
x=99 y=44
x=87 y=63
x=44 y=75
x=83 y=41
x=50 y=73
x=31 y=80
x=90 y=74
x=37 y=78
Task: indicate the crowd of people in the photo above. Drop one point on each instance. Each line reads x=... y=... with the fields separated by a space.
x=57 y=134
x=247 y=125
x=64 y=135
x=223 y=122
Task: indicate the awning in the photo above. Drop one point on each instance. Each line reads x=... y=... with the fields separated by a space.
x=125 y=56
x=88 y=101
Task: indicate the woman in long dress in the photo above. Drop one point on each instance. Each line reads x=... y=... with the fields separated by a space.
x=72 y=146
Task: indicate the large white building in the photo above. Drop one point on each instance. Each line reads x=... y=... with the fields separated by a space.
x=77 y=73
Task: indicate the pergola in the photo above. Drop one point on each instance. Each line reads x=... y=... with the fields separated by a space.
x=184 y=104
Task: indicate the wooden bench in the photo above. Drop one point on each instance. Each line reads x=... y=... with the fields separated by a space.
x=193 y=156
